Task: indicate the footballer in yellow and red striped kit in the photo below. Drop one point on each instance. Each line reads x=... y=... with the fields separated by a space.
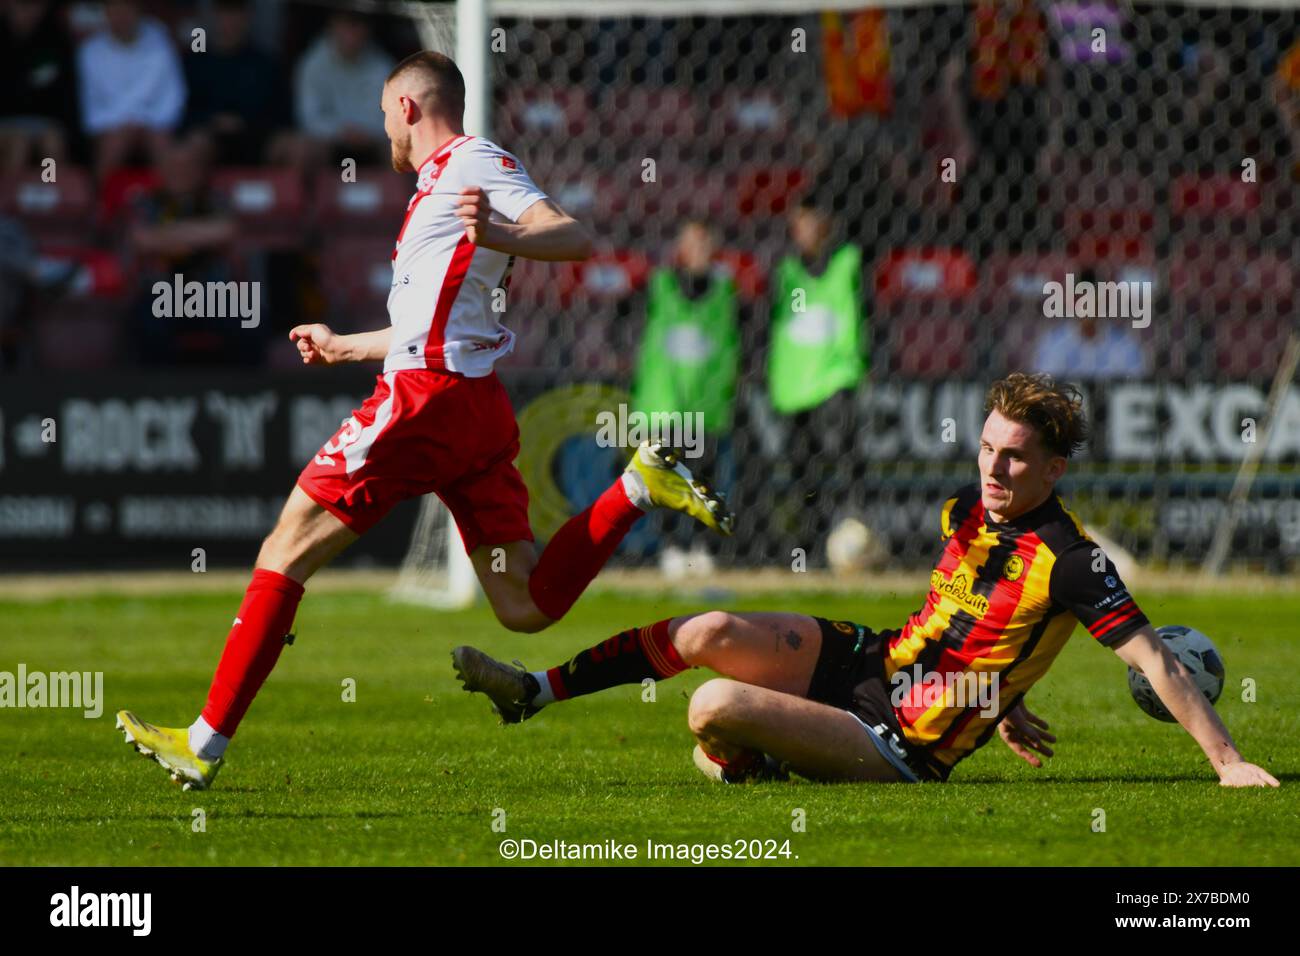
x=836 y=700
x=1004 y=598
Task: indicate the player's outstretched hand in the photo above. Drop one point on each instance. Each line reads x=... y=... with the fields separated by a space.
x=1242 y=774
x=473 y=211
x=1025 y=732
x=317 y=344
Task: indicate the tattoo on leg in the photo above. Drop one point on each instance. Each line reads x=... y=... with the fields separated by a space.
x=794 y=640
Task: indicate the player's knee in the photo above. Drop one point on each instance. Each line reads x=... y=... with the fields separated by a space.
x=274 y=554
x=713 y=706
x=704 y=636
x=521 y=618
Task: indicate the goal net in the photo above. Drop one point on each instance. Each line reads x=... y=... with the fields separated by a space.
x=1101 y=190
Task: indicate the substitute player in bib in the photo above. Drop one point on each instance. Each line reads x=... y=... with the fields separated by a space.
x=439 y=421
x=834 y=700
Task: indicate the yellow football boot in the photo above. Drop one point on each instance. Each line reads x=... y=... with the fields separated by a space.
x=667 y=483
x=170 y=746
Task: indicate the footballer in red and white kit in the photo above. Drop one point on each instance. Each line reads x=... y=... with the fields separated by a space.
x=440 y=307
x=439 y=420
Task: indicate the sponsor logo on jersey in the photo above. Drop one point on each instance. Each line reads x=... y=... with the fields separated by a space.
x=958 y=588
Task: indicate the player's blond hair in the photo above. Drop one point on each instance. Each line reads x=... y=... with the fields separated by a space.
x=1054 y=411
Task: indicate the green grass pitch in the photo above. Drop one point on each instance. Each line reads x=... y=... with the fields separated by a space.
x=416 y=771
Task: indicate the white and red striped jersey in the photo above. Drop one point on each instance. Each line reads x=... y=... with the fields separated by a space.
x=441 y=300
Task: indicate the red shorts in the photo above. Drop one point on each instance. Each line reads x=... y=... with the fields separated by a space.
x=421 y=432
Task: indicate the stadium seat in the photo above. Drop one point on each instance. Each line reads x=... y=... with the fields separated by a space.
x=50 y=211
x=1249 y=347
x=656 y=122
x=269 y=203
x=923 y=300
x=750 y=124
x=924 y=274
x=121 y=188
x=535 y=286
x=356 y=275
x=768 y=190
x=99 y=274
x=95 y=327
x=1102 y=230
x=680 y=192
x=1218 y=196
x=933 y=342
x=536 y=116
x=745 y=269
x=1223 y=278
x=374 y=204
x=605 y=277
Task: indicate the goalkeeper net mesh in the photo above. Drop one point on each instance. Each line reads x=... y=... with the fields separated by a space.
x=1105 y=191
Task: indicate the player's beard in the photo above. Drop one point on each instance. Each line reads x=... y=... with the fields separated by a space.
x=402 y=155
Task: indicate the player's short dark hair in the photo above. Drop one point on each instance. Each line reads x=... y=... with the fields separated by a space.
x=1054 y=411
x=441 y=80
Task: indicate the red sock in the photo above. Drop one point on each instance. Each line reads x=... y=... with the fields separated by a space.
x=746 y=762
x=252 y=648
x=580 y=549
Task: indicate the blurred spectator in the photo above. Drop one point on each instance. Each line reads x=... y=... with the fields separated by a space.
x=336 y=93
x=237 y=95
x=37 y=85
x=1090 y=349
x=855 y=62
x=1286 y=94
x=183 y=228
x=817 y=358
x=818 y=339
x=132 y=88
x=690 y=350
x=1004 y=116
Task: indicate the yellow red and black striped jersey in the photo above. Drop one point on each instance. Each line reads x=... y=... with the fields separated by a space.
x=1004 y=598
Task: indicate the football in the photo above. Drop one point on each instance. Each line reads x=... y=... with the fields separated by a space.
x=1199 y=656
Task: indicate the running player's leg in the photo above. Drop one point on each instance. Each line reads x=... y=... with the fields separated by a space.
x=529 y=593
x=654 y=478
x=504 y=571
x=305 y=538
x=490 y=505
x=736 y=723
x=352 y=483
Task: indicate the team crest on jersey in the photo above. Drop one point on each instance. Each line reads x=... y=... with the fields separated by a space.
x=1014 y=567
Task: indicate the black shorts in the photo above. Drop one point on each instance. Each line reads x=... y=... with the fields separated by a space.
x=850 y=675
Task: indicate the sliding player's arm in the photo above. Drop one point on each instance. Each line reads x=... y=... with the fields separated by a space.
x=1146 y=653
x=543 y=231
x=319 y=345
